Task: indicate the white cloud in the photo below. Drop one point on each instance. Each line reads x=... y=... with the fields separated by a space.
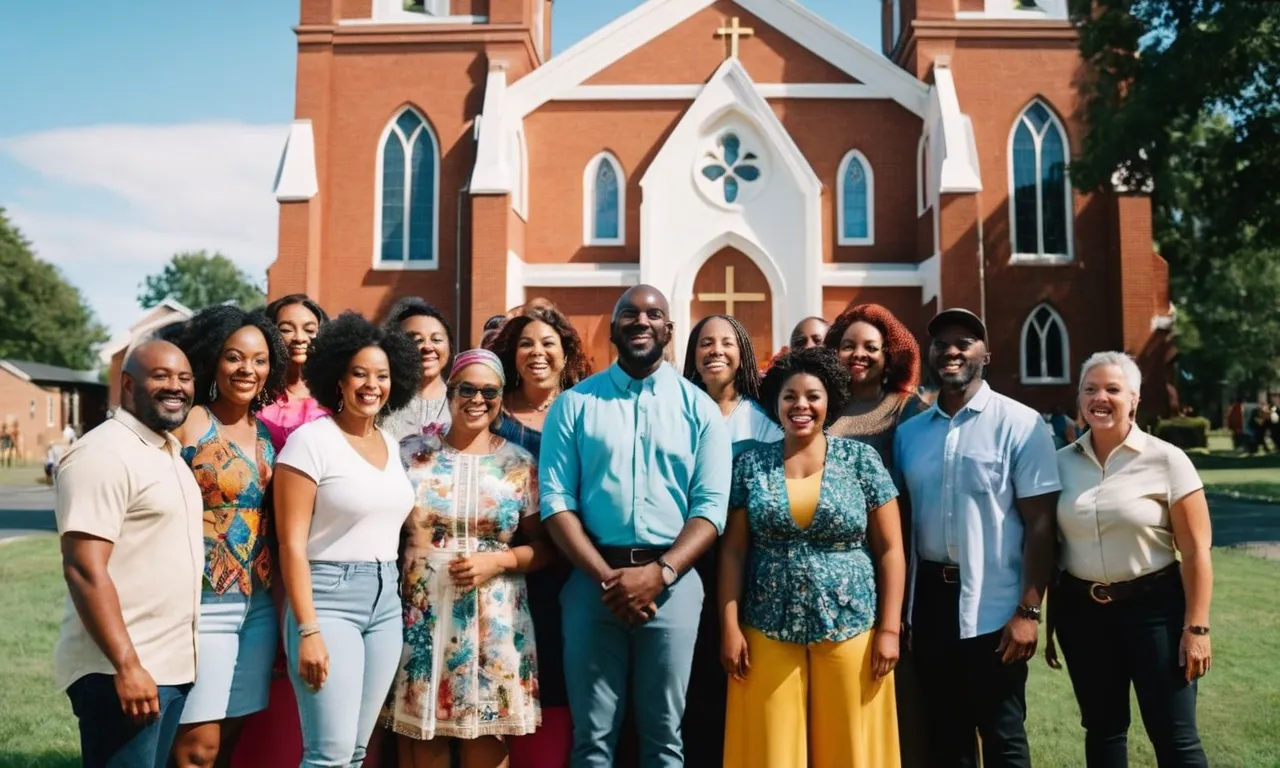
x=114 y=202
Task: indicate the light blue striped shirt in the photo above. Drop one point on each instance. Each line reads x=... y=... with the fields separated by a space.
x=963 y=475
x=635 y=458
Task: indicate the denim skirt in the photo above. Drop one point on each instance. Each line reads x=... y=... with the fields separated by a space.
x=237 y=647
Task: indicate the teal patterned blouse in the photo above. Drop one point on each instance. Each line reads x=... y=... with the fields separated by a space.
x=815 y=584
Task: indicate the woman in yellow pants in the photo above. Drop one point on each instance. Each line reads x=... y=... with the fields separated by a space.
x=813 y=552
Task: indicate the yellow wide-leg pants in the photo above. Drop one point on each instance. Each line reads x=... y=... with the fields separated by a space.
x=811 y=706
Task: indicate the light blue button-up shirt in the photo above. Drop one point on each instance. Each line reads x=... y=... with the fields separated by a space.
x=635 y=458
x=963 y=475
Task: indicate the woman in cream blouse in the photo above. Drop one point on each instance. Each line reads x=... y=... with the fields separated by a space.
x=1126 y=610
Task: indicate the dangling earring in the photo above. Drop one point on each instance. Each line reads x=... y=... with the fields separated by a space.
x=213 y=390
x=340 y=400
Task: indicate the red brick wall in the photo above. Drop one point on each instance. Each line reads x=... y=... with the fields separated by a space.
x=16 y=399
x=691 y=51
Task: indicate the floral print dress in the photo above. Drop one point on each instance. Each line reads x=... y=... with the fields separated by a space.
x=468 y=668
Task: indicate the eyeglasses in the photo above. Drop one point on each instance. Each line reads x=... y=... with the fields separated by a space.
x=468 y=391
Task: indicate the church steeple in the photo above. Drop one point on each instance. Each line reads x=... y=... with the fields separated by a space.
x=907 y=24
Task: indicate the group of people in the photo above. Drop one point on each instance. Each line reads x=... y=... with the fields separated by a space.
x=503 y=558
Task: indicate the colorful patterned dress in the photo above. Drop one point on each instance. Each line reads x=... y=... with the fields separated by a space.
x=235 y=526
x=469 y=667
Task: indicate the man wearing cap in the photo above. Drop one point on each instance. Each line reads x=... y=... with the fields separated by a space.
x=979 y=479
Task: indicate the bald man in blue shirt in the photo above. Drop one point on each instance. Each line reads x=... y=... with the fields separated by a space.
x=635 y=472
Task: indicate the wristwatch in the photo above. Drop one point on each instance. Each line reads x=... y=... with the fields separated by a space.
x=669 y=574
x=1196 y=629
x=1030 y=612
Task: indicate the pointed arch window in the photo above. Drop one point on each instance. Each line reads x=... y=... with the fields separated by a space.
x=855 y=206
x=1045 y=352
x=1040 y=199
x=408 y=189
x=604 y=201
x=922 y=175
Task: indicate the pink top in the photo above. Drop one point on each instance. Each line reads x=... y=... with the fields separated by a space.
x=285 y=415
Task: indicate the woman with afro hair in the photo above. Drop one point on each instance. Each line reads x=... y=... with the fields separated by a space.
x=812 y=575
x=238 y=360
x=341 y=497
x=883 y=360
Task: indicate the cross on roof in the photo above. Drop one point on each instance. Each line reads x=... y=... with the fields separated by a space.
x=733 y=32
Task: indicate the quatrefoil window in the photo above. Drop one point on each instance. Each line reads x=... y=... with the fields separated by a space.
x=729 y=167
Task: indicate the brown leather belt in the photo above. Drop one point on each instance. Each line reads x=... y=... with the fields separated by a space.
x=944 y=572
x=630 y=557
x=1119 y=591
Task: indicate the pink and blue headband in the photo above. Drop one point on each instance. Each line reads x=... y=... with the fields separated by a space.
x=478 y=357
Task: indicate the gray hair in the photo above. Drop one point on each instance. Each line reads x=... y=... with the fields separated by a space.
x=1126 y=364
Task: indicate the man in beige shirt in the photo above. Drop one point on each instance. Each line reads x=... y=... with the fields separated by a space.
x=130 y=517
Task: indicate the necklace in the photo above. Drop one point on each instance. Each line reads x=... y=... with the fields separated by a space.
x=539 y=408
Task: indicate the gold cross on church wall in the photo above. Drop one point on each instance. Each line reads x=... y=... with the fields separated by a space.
x=734 y=32
x=729 y=297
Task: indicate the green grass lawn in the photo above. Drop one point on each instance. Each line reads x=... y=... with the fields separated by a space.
x=1239 y=701
x=24 y=474
x=1232 y=472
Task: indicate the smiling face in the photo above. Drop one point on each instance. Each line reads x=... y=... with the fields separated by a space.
x=475 y=397
x=1107 y=401
x=366 y=385
x=809 y=334
x=243 y=366
x=802 y=405
x=641 y=327
x=539 y=355
x=862 y=352
x=298 y=326
x=957 y=357
x=158 y=386
x=433 y=342
x=718 y=356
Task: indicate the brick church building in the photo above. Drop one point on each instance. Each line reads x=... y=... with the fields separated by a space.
x=741 y=155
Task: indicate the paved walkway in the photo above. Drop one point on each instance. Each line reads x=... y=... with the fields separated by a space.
x=28 y=509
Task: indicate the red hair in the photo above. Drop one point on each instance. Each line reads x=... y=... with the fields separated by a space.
x=901 y=351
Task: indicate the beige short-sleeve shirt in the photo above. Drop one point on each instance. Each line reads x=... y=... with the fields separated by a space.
x=1114 y=521
x=128 y=484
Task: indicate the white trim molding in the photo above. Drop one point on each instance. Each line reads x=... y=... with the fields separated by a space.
x=296 y=177
x=953 y=138
x=393 y=12
x=589 y=177
x=1041 y=257
x=633 y=30
x=491 y=173
x=688 y=92
x=870 y=178
x=898 y=274
x=615 y=275
x=407 y=142
x=1042 y=330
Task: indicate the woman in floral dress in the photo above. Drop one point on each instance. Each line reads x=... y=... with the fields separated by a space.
x=468 y=671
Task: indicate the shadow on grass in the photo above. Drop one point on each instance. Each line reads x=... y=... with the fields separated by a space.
x=1234 y=460
x=40 y=760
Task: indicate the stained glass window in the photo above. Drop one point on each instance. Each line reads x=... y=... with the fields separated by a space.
x=730 y=166
x=410 y=191
x=606 y=208
x=1044 y=347
x=1041 y=197
x=856 y=192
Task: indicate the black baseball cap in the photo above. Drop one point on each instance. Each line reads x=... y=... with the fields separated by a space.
x=961 y=317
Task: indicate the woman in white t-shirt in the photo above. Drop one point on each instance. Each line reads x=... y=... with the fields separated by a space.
x=341 y=497
x=1125 y=609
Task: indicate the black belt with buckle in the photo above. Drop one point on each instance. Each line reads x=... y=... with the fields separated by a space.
x=944 y=572
x=630 y=557
x=1119 y=591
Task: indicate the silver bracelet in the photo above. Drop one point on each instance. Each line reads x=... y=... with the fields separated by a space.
x=308 y=629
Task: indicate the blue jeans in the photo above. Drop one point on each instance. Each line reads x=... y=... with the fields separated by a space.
x=600 y=650
x=109 y=738
x=358 y=608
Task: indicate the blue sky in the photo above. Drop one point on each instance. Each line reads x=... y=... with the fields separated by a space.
x=140 y=128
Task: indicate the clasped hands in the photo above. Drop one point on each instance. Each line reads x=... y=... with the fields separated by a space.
x=631 y=593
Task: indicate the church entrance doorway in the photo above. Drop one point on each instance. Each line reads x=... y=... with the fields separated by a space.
x=730 y=283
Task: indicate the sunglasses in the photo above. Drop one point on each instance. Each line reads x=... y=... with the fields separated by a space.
x=468 y=391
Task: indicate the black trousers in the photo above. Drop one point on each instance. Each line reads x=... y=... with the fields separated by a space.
x=704 y=709
x=964 y=689
x=109 y=738
x=1107 y=648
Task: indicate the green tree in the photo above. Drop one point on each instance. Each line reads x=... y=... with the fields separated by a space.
x=199 y=280
x=43 y=318
x=1157 y=70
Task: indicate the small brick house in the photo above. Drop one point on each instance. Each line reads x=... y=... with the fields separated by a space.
x=42 y=400
x=160 y=316
x=742 y=155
